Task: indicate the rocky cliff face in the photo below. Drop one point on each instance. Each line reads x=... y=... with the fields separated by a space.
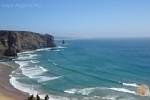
x=12 y=42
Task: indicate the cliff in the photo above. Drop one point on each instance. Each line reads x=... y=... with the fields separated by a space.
x=12 y=42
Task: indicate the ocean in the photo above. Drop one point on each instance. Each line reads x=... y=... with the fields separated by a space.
x=85 y=69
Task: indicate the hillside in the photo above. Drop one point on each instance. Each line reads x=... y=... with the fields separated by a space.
x=12 y=42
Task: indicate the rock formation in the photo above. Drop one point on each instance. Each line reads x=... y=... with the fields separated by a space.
x=12 y=39
x=12 y=42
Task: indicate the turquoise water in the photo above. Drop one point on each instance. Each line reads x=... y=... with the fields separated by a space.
x=100 y=69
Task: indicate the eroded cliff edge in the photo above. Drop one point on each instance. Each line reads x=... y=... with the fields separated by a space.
x=12 y=42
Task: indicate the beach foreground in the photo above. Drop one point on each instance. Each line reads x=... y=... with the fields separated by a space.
x=7 y=92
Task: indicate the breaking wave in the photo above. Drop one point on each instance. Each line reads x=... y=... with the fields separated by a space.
x=34 y=61
x=24 y=87
x=85 y=91
x=130 y=84
x=123 y=90
x=45 y=78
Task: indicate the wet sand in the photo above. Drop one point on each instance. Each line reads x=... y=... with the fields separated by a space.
x=7 y=91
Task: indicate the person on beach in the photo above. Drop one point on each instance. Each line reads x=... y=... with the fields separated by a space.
x=31 y=97
x=38 y=97
x=46 y=97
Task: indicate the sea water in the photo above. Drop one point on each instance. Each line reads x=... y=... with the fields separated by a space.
x=88 y=69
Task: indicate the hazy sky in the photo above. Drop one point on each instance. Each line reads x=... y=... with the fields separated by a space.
x=75 y=18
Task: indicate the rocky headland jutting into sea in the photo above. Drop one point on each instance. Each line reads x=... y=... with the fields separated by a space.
x=12 y=42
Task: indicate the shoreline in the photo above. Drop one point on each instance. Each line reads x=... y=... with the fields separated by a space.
x=7 y=91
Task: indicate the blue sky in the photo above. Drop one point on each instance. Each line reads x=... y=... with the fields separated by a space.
x=78 y=18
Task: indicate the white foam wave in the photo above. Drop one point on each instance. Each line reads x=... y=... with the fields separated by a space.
x=71 y=91
x=33 y=55
x=29 y=71
x=23 y=57
x=123 y=90
x=31 y=89
x=45 y=78
x=23 y=87
x=130 y=84
x=22 y=63
x=34 y=61
x=61 y=47
x=27 y=56
x=85 y=91
x=109 y=98
x=91 y=98
x=26 y=52
x=43 y=69
x=42 y=49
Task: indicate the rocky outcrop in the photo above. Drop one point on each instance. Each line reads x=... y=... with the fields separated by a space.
x=49 y=40
x=12 y=42
x=32 y=41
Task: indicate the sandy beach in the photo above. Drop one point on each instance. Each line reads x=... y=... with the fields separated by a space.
x=7 y=91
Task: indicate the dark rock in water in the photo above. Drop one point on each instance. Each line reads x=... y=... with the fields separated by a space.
x=12 y=42
x=10 y=52
x=63 y=42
